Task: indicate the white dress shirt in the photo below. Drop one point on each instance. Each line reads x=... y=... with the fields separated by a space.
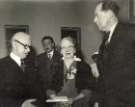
x=16 y=58
x=50 y=54
x=111 y=32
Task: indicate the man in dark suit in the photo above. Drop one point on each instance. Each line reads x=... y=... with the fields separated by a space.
x=48 y=61
x=116 y=59
x=18 y=86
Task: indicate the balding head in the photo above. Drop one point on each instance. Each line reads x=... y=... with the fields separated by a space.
x=21 y=43
x=105 y=15
x=21 y=36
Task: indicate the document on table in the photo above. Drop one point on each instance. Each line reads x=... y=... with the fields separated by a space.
x=58 y=99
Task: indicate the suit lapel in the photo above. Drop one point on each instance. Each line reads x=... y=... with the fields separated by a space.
x=54 y=57
x=114 y=39
x=13 y=70
x=106 y=49
x=13 y=64
x=115 y=35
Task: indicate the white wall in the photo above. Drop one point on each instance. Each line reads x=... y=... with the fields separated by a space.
x=91 y=37
x=46 y=18
x=43 y=19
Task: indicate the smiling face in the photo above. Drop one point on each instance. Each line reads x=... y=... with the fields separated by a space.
x=67 y=48
x=48 y=45
x=21 y=43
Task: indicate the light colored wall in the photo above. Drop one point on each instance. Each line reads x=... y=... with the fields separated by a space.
x=43 y=18
x=46 y=18
x=91 y=37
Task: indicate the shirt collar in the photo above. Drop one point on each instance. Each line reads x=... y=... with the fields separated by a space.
x=15 y=58
x=51 y=53
x=111 y=31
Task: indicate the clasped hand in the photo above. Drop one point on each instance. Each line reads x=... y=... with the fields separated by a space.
x=69 y=102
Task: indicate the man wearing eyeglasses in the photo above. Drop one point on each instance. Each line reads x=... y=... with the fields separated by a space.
x=18 y=87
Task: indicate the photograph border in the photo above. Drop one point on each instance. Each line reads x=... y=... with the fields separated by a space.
x=131 y=11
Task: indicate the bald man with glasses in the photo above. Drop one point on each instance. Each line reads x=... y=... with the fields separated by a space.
x=19 y=87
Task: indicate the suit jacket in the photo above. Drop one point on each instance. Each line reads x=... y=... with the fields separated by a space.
x=117 y=64
x=83 y=79
x=47 y=67
x=15 y=85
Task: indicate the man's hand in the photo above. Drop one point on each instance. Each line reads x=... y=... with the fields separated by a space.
x=52 y=96
x=69 y=102
x=28 y=103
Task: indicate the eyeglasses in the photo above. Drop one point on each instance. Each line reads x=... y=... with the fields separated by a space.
x=68 y=47
x=24 y=45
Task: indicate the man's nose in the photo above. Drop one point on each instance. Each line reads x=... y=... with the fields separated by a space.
x=28 y=49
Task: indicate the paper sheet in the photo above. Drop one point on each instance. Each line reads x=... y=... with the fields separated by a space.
x=58 y=99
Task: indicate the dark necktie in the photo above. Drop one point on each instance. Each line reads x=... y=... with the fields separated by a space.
x=104 y=42
x=49 y=56
x=106 y=37
x=23 y=65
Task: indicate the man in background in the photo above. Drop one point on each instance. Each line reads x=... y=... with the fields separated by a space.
x=48 y=61
x=116 y=58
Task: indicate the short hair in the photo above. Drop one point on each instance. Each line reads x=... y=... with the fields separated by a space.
x=79 y=52
x=110 y=5
x=15 y=36
x=71 y=39
x=47 y=37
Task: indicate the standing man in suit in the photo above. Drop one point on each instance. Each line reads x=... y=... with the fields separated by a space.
x=18 y=87
x=48 y=61
x=116 y=59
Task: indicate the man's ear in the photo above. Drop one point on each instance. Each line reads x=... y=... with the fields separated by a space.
x=13 y=44
x=110 y=13
x=53 y=45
